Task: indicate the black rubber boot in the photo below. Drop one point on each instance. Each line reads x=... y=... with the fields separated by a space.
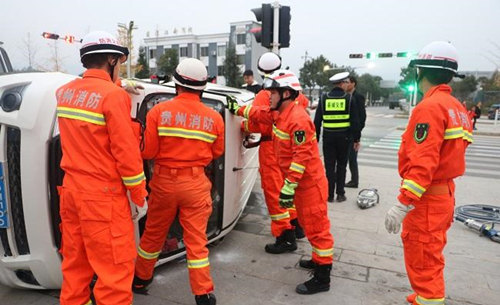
x=284 y=243
x=140 y=286
x=299 y=232
x=307 y=264
x=205 y=299
x=319 y=283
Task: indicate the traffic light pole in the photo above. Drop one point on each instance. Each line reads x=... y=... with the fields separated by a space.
x=276 y=27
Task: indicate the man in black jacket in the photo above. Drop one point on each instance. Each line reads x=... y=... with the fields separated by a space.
x=339 y=117
x=354 y=147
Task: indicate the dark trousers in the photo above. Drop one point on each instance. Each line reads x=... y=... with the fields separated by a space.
x=335 y=155
x=353 y=162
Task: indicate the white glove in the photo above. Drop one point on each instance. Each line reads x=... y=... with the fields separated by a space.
x=131 y=86
x=395 y=216
x=139 y=212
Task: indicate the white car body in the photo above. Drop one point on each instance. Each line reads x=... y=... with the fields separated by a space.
x=29 y=160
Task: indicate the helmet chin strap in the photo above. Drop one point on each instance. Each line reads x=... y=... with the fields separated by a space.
x=280 y=101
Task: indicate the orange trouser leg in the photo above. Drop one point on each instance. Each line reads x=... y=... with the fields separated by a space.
x=424 y=238
x=272 y=181
x=97 y=237
x=312 y=214
x=162 y=208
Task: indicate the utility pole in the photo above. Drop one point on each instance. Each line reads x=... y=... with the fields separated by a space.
x=276 y=27
x=305 y=57
x=128 y=30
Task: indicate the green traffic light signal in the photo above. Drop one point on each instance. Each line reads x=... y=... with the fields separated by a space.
x=402 y=54
x=411 y=88
x=369 y=55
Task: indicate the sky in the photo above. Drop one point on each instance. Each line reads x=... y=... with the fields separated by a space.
x=331 y=28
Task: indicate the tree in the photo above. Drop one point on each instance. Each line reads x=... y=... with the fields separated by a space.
x=142 y=67
x=168 y=62
x=407 y=79
x=316 y=72
x=232 y=71
x=370 y=84
x=29 y=51
x=462 y=89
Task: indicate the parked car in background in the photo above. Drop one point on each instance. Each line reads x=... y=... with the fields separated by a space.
x=491 y=111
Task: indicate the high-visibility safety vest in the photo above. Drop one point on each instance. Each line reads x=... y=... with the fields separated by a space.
x=336 y=113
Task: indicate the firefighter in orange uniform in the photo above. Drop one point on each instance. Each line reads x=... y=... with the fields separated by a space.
x=305 y=184
x=182 y=136
x=284 y=224
x=102 y=161
x=431 y=155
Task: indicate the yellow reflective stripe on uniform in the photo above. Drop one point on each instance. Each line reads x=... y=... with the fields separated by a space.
x=468 y=136
x=81 y=115
x=335 y=117
x=88 y=303
x=314 y=137
x=323 y=252
x=245 y=124
x=296 y=167
x=186 y=134
x=147 y=255
x=423 y=301
x=133 y=180
x=336 y=125
x=453 y=133
x=292 y=208
x=413 y=187
x=280 y=216
x=246 y=111
x=197 y=263
x=280 y=134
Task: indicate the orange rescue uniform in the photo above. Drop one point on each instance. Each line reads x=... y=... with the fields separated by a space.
x=431 y=155
x=101 y=160
x=297 y=154
x=182 y=136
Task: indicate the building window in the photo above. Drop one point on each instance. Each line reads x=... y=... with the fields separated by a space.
x=152 y=53
x=241 y=59
x=204 y=51
x=240 y=38
x=183 y=52
x=220 y=70
x=221 y=50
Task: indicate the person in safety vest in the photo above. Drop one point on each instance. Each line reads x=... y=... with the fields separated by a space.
x=304 y=185
x=284 y=224
x=182 y=137
x=102 y=163
x=431 y=155
x=339 y=116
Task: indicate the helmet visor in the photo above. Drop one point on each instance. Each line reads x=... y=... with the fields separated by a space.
x=270 y=83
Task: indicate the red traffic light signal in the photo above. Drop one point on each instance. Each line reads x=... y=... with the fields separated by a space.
x=359 y=55
x=50 y=35
x=69 y=38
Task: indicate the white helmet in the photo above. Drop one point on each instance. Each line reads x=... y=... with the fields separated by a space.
x=367 y=198
x=285 y=79
x=437 y=55
x=191 y=73
x=101 y=42
x=269 y=62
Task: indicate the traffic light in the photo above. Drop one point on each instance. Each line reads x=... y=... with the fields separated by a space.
x=50 y=35
x=69 y=38
x=284 y=28
x=369 y=55
x=384 y=55
x=265 y=15
x=410 y=88
x=402 y=54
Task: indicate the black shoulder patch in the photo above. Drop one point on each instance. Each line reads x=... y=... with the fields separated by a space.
x=421 y=132
x=299 y=136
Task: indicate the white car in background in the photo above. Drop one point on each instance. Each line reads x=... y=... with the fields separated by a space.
x=30 y=154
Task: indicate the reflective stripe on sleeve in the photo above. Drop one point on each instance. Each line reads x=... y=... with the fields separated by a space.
x=186 y=134
x=81 y=115
x=336 y=125
x=197 y=263
x=323 y=252
x=423 y=301
x=147 y=255
x=246 y=111
x=453 y=133
x=413 y=187
x=89 y=302
x=280 y=134
x=133 y=180
x=280 y=216
x=468 y=136
x=246 y=125
x=296 y=167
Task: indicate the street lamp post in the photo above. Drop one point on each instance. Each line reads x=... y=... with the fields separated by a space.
x=128 y=30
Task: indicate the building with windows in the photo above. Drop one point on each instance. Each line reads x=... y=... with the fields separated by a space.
x=209 y=48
